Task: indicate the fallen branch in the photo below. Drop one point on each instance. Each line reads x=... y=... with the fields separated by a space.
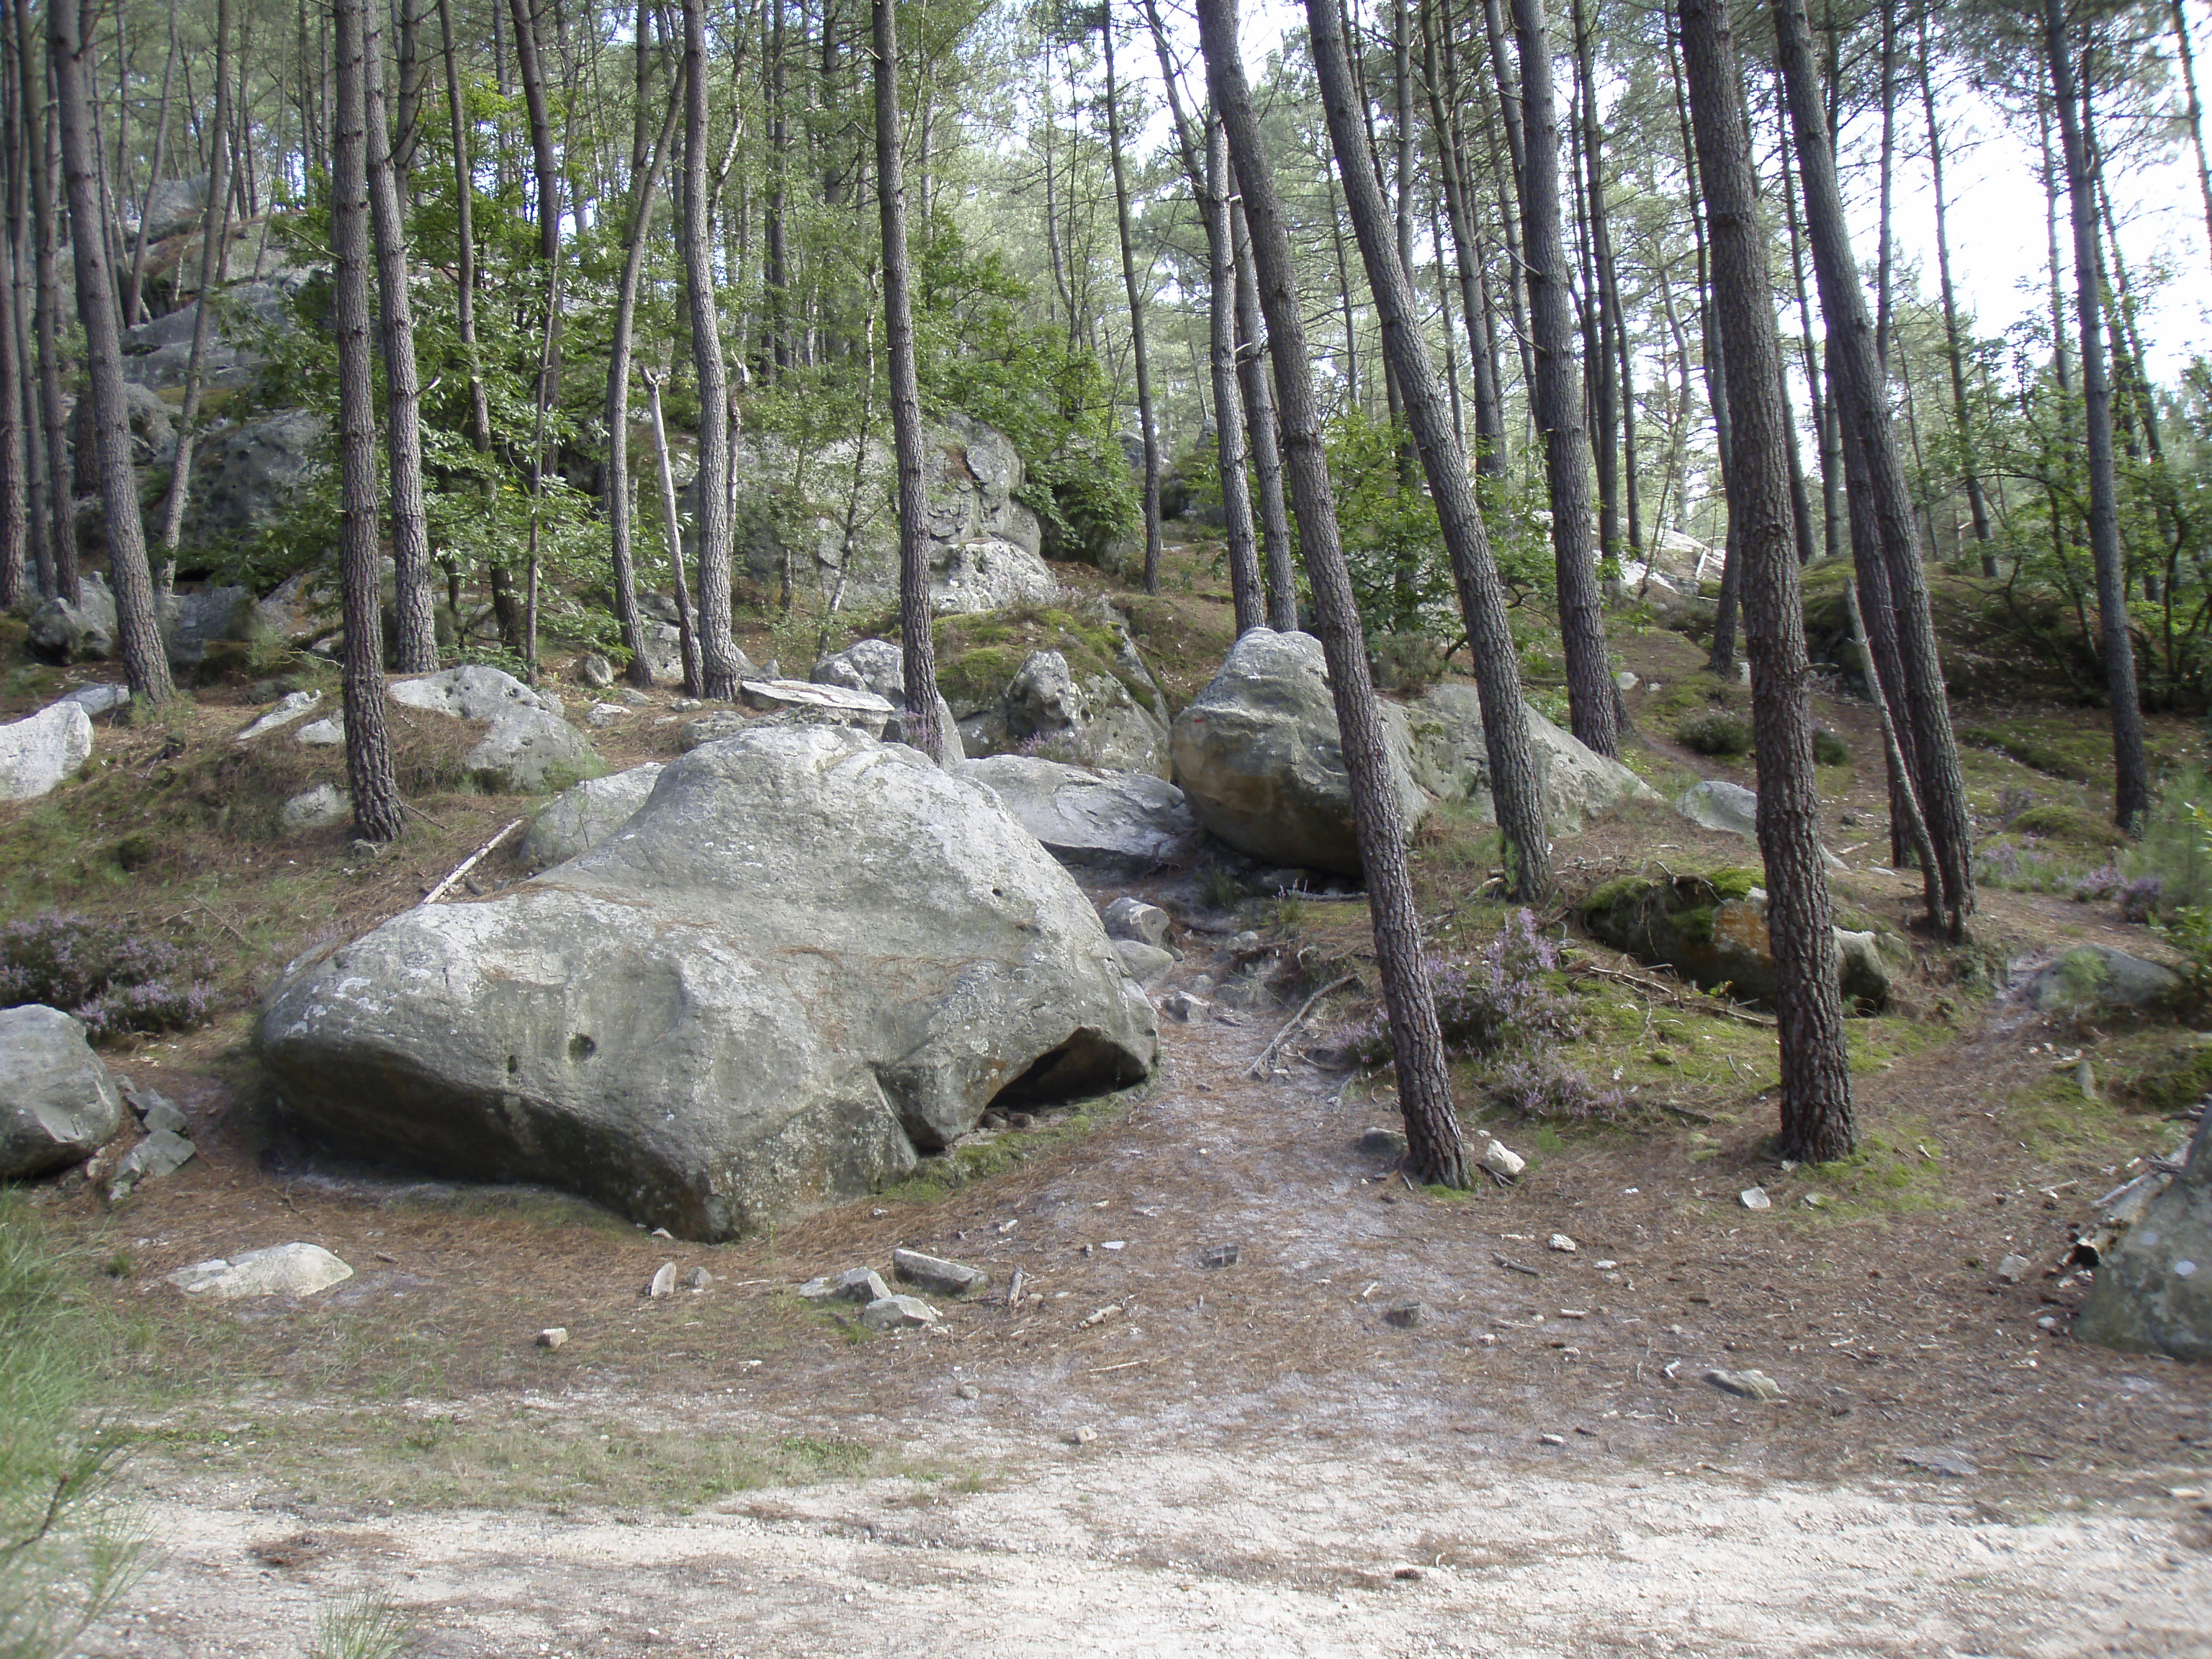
x=469 y=864
x=1704 y=1001
x=1259 y=1067
x=423 y=815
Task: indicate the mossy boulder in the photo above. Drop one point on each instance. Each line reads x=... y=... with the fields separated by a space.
x=2153 y=1291
x=1711 y=929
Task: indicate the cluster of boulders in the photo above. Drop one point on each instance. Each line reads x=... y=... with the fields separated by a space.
x=883 y=1309
x=61 y=1108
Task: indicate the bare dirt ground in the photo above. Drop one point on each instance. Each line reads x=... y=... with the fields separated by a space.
x=1270 y=1454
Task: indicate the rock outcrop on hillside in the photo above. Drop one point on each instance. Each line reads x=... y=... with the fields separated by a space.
x=809 y=958
x=1578 y=784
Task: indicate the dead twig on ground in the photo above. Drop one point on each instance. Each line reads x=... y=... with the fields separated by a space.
x=1259 y=1067
x=469 y=864
x=1702 y=1002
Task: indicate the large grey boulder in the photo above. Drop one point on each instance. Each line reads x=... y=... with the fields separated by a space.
x=879 y=667
x=256 y=472
x=1578 y=785
x=2096 y=976
x=1259 y=758
x=579 y=819
x=1121 y=823
x=987 y=575
x=1711 y=929
x=61 y=632
x=57 y=1102
x=173 y=205
x=528 y=750
x=280 y=1270
x=808 y=958
x=38 y=753
x=2153 y=1291
x=192 y=622
x=1719 y=804
x=1090 y=721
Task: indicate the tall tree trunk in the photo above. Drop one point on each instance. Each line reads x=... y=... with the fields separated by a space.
x=1513 y=774
x=1954 y=351
x=1856 y=381
x=1816 y=1078
x=133 y=307
x=1344 y=297
x=1147 y=431
x=20 y=144
x=376 y=809
x=1444 y=99
x=695 y=678
x=1592 y=698
x=778 y=274
x=1210 y=190
x=1887 y=72
x=1261 y=426
x=464 y=236
x=415 y=629
x=2195 y=108
x=1433 y=1132
x=2130 y=766
x=1823 y=408
x=43 y=139
x=1598 y=355
x=640 y=671
x=918 y=655
x=145 y=664
x=718 y=651
x=214 y=232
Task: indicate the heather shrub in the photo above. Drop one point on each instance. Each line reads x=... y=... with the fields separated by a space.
x=1716 y=732
x=1496 y=999
x=1540 y=1085
x=117 y=983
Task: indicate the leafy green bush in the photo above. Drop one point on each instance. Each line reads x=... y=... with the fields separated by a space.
x=1830 y=749
x=1716 y=732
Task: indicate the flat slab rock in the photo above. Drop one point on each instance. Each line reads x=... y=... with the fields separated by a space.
x=936 y=1274
x=40 y=753
x=280 y=1270
x=808 y=958
x=1107 y=821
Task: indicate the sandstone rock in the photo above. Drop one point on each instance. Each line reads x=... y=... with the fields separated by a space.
x=529 y=748
x=280 y=1270
x=828 y=705
x=1712 y=929
x=294 y=705
x=579 y=819
x=853 y=1285
x=1132 y=918
x=663 y=1282
x=59 y=1104
x=1502 y=1160
x=193 y=621
x=1094 y=722
x=1406 y=1315
x=877 y=665
x=2013 y=1269
x=43 y=752
x=595 y=670
x=172 y=206
x=97 y=699
x=2153 y=1291
x=1746 y=1385
x=1718 y=805
x=1258 y=757
x=325 y=734
x=1098 y=823
x=988 y=575
x=2098 y=976
x=808 y=955
x=898 y=1312
x=936 y=1275
x=554 y=1336
x=1144 y=962
x=1381 y=1143
x=163 y=1152
x=712 y=728
x=1450 y=760
x=317 y=808
x=60 y=632
x=255 y=473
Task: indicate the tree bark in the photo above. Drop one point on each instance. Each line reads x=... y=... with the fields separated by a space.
x=1261 y=426
x=1146 y=429
x=146 y=664
x=717 y=652
x=133 y=305
x=465 y=237
x=376 y=810
x=1513 y=776
x=1954 y=351
x=213 y=232
x=1816 y=1081
x=1592 y=699
x=1856 y=379
x=1433 y=1133
x=640 y=671
x=415 y=629
x=21 y=144
x=2131 y=765
x=1491 y=460
x=917 y=650
x=61 y=499
x=2194 y=109
x=695 y=678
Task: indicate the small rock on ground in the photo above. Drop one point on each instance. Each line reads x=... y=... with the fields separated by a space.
x=1746 y=1385
x=281 y=1270
x=853 y=1285
x=937 y=1274
x=898 y=1312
